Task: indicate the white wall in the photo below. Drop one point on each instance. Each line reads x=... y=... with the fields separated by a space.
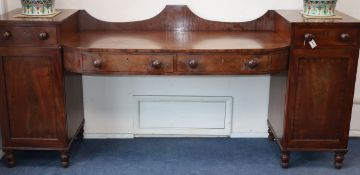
x=250 y=93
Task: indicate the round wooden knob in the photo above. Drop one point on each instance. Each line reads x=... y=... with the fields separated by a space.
x=308 y=37
x=6 y=35
x=97 y=63
x=252 y=64
x=193 y=64
x=43 y=36
x=345 y=36
x=156 y=64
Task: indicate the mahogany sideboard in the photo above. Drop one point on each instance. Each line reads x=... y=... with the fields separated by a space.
x=311 y=90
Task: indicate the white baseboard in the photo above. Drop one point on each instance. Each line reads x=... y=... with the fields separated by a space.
x=355 y=133
x=131 y=136
x=249 y=135
x=108 y=136
x=179 y=136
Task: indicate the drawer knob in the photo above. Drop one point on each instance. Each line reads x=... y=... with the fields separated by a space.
x=97 y=63
x=252 y=64
x=308 y=37
x=345 y=36
x=193 y=64
x=156 y=64
x=6 y=35
x=43 y=36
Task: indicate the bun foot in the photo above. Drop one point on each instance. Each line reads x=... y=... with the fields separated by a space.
x=338 y=165
x=285 y=158
x=65 y=164
x=10 y=158
x=64 y=157
x=339 y=159
x=271 y=136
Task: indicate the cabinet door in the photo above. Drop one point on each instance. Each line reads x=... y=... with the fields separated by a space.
x=321 y=89
x=34 y=102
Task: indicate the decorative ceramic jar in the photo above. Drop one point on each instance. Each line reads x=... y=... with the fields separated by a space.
x=320 y=7
x=38 y=7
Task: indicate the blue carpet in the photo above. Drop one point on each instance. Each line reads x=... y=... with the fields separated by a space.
x=181 y=156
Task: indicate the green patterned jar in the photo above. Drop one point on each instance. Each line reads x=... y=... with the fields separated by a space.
x=320 y=7
x=38 y=7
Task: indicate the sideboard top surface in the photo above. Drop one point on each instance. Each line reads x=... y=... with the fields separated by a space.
x=179 y=41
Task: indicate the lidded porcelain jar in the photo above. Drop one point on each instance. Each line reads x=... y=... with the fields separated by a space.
x=320 y=7
x=38 y=7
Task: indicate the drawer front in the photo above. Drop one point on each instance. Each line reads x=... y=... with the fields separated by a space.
x=28 y=35
x=127 y=63
x=326 y=36
x=225 y=64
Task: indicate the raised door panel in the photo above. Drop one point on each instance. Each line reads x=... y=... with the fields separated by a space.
x=30 y=94
x=321 y=91
x=34 y=101
x=320 y=98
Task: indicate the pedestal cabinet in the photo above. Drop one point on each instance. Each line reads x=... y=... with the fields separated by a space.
x=36 y=112
x=318 y=102
x=311 y=103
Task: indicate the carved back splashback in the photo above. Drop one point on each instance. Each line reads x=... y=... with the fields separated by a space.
x=176 y=18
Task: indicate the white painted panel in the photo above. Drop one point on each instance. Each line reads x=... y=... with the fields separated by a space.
x=191 y=114
x=195 y=115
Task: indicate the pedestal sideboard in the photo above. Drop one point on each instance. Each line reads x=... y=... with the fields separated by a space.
x=311 y=90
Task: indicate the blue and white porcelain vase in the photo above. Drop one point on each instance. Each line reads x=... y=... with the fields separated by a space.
x=320 y=8
x=38 y=7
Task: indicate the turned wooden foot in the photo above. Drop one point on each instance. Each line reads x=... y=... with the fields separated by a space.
x=271 y=136
x=285 y=158
x=64 y=157
x=10 y=158
x=339 y=159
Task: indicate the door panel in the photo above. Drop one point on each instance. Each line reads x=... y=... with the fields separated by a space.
x=319 y=98
x=33 y=103
x=30 y=94
x=321 y=88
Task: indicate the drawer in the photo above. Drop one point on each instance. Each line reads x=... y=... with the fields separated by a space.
x=28 y=35
x=223 y=64
x=127 y=63
x=326 y=36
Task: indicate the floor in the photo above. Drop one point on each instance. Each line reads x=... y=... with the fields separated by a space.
x=180 y=156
